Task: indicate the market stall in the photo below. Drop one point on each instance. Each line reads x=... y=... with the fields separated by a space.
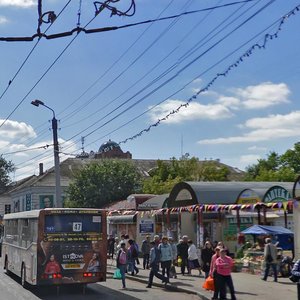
x=252 y=260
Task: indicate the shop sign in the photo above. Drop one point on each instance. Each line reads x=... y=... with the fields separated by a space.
x=277 y=194
x=146 y=226
x=244 y=220
x=248 y=197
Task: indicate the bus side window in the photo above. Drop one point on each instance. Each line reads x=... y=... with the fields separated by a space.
x=26 y=236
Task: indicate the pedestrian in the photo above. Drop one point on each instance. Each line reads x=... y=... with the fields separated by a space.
x=182 y=252
x=111 y=246
x=224 y=265
x=122 y=262
x=146 y=251
x=295 y=273
x=270 y=259
x=121 y=241
x=154 y=265
x=222 y=245
x=166 y=256
x=206 y=254
x=132 y=255
x=213 y=273
x=174 y=257
x=193 y=259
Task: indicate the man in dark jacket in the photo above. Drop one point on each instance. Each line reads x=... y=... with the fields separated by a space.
x=146 y=251
x=182 y=251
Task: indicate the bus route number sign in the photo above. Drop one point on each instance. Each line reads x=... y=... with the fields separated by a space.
x=77 y=226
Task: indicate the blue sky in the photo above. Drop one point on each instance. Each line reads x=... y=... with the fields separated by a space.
x=115 y=84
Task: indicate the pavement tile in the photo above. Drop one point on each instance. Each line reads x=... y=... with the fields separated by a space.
x=247 y=286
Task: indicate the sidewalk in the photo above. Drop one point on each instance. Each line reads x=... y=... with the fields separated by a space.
x=247 y=286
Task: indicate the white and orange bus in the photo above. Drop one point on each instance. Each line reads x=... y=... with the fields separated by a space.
x=55 y=246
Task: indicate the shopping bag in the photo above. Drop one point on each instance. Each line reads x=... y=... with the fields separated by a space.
x=209 y=284
x=117 y=274
x=179 y=261
x=172 y=272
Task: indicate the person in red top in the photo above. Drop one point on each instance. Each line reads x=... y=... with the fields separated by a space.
x=52 y=266
x=213 y=273
x=224 y=265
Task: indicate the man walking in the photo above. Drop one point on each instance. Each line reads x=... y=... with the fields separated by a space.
x=270 y=259
x=182 y=251
x=154 y=264
x=146 y=252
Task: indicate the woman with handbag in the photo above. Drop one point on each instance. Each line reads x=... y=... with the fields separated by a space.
x=122 y=262
x=206 y=254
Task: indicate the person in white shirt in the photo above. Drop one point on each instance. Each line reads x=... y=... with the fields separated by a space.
x=193 y=257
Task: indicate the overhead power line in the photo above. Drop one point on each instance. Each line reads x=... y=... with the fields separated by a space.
x=110 y=28
x=241 y=59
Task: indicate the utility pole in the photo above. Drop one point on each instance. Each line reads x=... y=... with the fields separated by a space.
x=58 y=199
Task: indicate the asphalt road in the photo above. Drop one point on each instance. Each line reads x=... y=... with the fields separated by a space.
x=10 y=289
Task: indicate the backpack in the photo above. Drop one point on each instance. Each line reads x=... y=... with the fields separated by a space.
x=123 y=258
x=134 y=252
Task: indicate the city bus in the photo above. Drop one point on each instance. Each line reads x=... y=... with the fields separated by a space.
x=54 y=246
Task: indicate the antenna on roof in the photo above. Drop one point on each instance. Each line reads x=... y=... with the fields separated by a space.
x=82 y=144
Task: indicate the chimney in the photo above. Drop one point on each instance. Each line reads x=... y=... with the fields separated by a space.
x=41 y=167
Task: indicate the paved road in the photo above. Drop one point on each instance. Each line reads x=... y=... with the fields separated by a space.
x=10 y=289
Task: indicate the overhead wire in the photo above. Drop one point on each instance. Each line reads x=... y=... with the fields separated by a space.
x=172 y=77
x=106 y=122
x=29 y=54
x=44 y=74
x=105 y=29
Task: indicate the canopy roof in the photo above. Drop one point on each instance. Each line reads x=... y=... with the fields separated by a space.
x=267 y=230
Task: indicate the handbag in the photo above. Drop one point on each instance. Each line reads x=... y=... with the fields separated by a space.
x=209 y=284
x=294 y=278
x=117 y=274
x=269 y=257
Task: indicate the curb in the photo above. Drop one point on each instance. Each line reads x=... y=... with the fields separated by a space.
x=168 y=286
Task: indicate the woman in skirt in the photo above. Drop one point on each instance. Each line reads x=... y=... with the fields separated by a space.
x=193 y=257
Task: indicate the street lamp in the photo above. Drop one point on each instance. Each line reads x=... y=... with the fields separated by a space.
x=58 y=200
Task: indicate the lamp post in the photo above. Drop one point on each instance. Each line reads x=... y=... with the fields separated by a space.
x=58 y=200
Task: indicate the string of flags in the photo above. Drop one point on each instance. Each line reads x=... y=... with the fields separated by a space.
x=248 y=53
x=280 y=205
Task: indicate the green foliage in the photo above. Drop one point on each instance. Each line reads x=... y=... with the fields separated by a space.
x=167 y=174
x=99 y=184
x=6 y=167
x=276 y=167
x=211 y=171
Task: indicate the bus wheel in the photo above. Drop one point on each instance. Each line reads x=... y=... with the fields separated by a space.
x=23 y=276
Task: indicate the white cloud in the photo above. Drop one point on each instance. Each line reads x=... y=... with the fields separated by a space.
x=195 y=111
x=18 y=3
x=3 y=20
x=263 y=95
x=256 y=148
x=197 y=81
x=231 y=102
x=264 y=129
x=16 y=130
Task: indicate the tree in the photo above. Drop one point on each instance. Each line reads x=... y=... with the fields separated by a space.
x=99 y=184
x=6 y=167
x=291 y=158
x=275 y=167
x=167 y=174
